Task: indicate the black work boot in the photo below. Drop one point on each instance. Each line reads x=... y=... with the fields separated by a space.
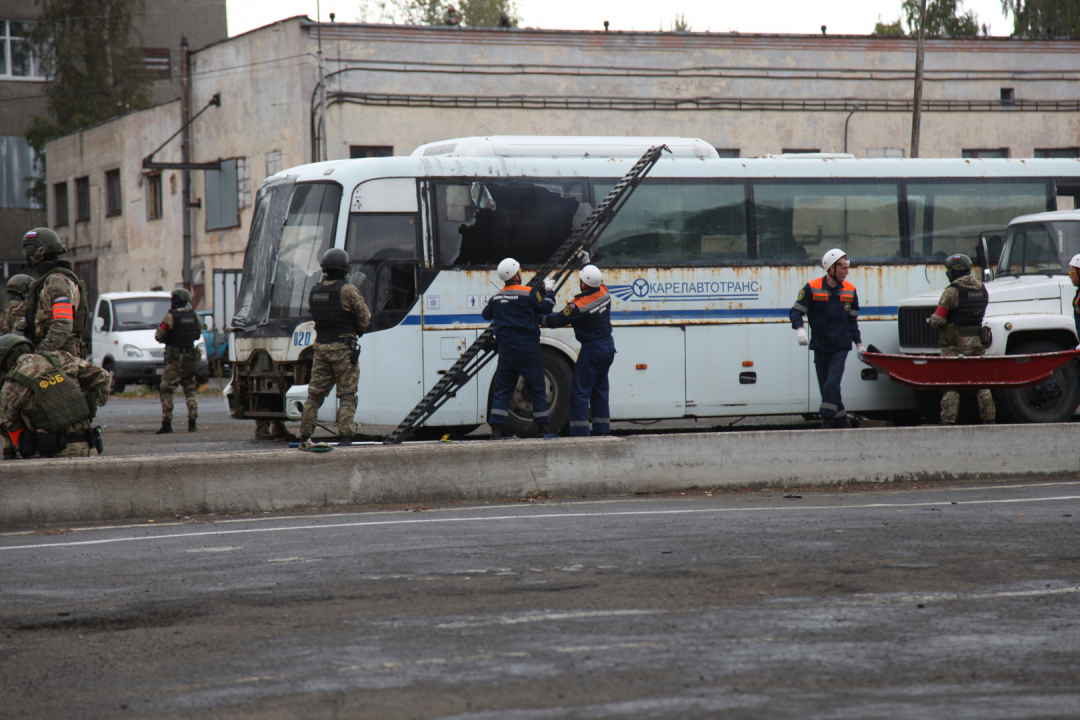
x=497 y=432
x=344 y=440
x=191 y=425
x=166 y=427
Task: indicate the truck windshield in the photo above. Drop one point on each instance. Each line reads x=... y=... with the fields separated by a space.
x=139 y=313
x=1039 y=248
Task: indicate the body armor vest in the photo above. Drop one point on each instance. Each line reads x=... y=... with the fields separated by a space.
x=331 y=320
x=971 y=308
x=185 y=330
x=59 y=402
x=32 y=300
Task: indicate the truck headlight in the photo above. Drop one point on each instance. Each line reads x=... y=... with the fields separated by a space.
x=133 y=352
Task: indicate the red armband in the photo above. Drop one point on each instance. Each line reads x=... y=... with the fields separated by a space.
x=942 y=312
x=14 y=435
x=62 y=310
x=163 y=326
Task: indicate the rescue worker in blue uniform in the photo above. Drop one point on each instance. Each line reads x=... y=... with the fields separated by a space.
x=590 y=315
x=831 y=305
x=1074 y=275
x=515 y=311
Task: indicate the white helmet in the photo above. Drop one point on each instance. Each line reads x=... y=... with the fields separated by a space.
x=1075 y=262
x=590 y=275
x=831 y=258
x=508 y=268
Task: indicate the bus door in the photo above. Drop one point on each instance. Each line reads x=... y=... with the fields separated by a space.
x=442 y=348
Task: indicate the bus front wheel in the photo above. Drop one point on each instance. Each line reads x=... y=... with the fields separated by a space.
x=1052 y=401
x=557 y=376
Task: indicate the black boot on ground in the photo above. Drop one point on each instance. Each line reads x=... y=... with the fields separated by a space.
x=166 y=427
x=191 y=425
x=344 y=440
x=497 y=432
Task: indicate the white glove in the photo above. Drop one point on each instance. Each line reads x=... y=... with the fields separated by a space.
x=549 y=284
x=801 y=338
x=860 y=348
x=584 y=257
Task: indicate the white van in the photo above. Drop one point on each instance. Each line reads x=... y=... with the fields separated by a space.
x=1030 y=310
x=122 y=340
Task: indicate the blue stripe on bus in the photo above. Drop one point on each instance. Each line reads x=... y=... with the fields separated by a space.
x=732 y=313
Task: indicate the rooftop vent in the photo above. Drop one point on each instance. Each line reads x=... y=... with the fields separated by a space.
x=530 y=146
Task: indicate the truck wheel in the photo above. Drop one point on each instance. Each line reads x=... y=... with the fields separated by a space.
x=117 y=386
x=557 y=376
x=1052 y=401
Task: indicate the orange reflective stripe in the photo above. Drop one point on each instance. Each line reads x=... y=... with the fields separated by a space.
x=63 y=311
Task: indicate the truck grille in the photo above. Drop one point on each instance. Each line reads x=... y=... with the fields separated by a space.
x=157 y=354
x=915 y=332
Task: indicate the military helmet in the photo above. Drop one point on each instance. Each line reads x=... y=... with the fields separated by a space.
x=958 y=263
x=335 y=259
x=40 y=242
x=18 y=286
x=181 y=297
x=11 y=347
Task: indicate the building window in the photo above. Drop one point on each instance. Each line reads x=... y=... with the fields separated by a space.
x=153 y=197
x=60 y=201
x=1008 y=97
x=800 y=151
x=1049 y=153
x=273 y=163
x=370 y=151
x=16 y=168
x=985 y=153
x=82 y=199
x=17 y=55
x=222 y=209
x=113 y=200
x=728 y=152
x=156 y=61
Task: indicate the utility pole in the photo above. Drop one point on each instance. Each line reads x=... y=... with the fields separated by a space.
x=185 y=153
x=322 y=86
x=916 y=115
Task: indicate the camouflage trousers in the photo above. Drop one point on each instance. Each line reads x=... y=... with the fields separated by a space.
x=183 y=372
x=332 y=366
x=950 y=400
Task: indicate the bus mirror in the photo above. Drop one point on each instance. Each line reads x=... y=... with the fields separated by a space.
x=988 y=275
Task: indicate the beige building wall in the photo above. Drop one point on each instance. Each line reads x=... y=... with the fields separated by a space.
x=399 y=87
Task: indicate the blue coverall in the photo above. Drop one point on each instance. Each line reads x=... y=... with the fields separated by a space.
x=590 y=315
x=833 y=313
x=1076 y=320
x=515 y=311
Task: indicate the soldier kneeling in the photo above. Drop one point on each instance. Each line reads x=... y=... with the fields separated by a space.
x=49 y=400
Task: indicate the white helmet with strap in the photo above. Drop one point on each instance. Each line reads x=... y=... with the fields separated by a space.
x=831 y=258
x=508 y=268
x=1075 y=262
x=591 y=276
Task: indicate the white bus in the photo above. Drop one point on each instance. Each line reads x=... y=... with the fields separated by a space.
x=704 y=261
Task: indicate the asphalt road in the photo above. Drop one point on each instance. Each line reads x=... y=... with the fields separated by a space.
x=952 y=601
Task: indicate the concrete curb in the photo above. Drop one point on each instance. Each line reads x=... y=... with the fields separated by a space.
x=103 y=488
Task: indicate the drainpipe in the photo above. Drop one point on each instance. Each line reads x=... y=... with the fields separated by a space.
x=846 y=125
x=185 y=153
x=916 y=116
x=322 y=85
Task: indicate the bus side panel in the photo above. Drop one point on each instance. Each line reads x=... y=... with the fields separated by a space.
x=391 y=375
x=442 y=348
x=739 y=368
x=648 y=377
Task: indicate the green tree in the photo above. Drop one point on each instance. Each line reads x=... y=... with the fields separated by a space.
x=93 y=66
x=1044 y=18
x=679 y=24
x=944 y=18
x=473 y=13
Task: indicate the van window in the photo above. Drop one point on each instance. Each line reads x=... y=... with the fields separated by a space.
x=676 y=223
x=105 y=315
x=140 y=313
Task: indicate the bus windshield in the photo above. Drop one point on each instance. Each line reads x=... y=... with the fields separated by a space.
x=260 y=257
x=1039 y=248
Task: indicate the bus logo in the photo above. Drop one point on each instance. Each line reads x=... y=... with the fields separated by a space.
x=642 y=290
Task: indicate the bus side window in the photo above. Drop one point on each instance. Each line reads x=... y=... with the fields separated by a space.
x=677 y=223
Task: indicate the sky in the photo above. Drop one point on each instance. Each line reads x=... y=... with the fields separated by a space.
x=844 y=17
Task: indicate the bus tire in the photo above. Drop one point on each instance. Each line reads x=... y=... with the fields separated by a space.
x=1052 y=401
x=557 y=376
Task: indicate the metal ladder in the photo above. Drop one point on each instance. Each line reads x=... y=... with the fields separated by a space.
x=559 y=266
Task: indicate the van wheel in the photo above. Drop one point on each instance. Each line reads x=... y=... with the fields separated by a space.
x=1052 y=401
x=557 y=376
x=117 y=386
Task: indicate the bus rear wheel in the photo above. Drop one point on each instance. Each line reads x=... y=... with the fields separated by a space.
x=1052 y=401
x=557 y=376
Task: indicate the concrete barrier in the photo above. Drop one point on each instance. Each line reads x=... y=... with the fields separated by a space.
x=102 y=488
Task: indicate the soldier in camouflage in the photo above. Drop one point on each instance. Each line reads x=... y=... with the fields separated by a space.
x=178 y=331
x=56 y=306
x=958 y=320
x=341 y=316
x=49 y=400
x=13 y=319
